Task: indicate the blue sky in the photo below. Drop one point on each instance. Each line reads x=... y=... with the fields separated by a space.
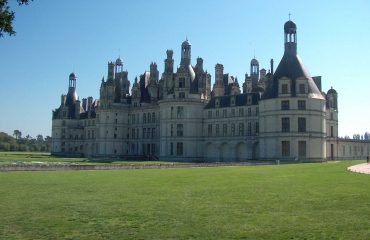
x=55 y=38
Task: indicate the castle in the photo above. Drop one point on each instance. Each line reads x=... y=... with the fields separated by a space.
x=282 y=114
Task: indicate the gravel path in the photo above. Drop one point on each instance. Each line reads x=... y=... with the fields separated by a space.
x=360 y=168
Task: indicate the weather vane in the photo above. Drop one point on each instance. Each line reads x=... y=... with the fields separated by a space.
x=289 y=16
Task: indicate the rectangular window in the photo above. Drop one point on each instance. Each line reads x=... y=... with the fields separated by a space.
x=301 y=105
x=285 y=105
x=217 y=129
x=217 y=114
x=232 y=129
x=181 y=82
x=331 y=131
x=144 y=132
x=180 y=149
x=284 y=88
x=180 y=112
x=302 y=88
x=302 y=148
x=224 y=113
x=285 y=148
x=224 y=129
x=153 y=132
x=209 y=114
x=180 y=130
x=241 y=112
x=257 y=127
x=285 y=124
x=209 y=129
x=171 y=149
x=181 y=95
x=241 y=129
x=249 y=130
x=249 y=112
x=233 y=112
x=301 y=124
x=153 y=117
x=144 y=118
x=171 y=130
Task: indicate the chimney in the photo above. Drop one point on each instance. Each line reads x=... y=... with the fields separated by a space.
x=84 y=104
x=272 y=66
x=89 y=103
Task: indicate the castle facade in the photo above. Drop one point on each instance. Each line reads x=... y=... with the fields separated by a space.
x=276 y=114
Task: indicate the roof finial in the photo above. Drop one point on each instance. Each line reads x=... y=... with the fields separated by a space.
x=289 y=15
x=186 y=37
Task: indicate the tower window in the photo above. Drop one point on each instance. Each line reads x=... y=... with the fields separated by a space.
x=181 y=82
x=285 y=148
x=301 y=124
x=302 y=88
x=285 y=124
x=180 y=112
x=284 y=88
x=302 y=148
x=285 y=105
x=301 y=105
x=180 y=130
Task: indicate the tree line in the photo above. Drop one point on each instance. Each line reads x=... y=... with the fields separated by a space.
x=24 y=144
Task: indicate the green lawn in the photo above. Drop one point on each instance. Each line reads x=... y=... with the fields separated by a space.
x=304 y=201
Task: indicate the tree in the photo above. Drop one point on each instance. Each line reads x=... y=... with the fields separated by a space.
x=17 y=134
x=40 y=138
x=7 y=17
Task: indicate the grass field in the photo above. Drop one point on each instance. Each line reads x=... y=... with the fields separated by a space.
x=305 y=201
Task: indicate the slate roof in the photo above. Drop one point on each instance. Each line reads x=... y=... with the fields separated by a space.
x=240 y=100
x=291 y=66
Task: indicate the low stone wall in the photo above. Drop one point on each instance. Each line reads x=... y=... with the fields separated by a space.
x=75 y=167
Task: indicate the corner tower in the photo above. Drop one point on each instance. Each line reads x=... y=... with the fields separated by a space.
x=292 y=110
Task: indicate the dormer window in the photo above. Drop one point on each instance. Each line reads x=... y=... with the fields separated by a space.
x=217 y=103
x=284 y=89
x=302 y=88
x=249 y=100
x=232 y=101
x=181 y=82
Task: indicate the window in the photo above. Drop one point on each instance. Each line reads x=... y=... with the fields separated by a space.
x=284 y=88
x=149 y=118
x=257 y=127
x=180 y=130
x=180 y=149
x=241 y=129
x=144 y=118
x=171 y=130
x=181 y=95
x=233 y=112
x=285 y=124
x=180 y=112
x=115 y=135
x=331 y=131
x=209 y=114
x=153 y=132
x=257 y=110
x=181 y=82
x=224 y=113
x=249 y=112
x=171 y=148
x=217 y=102
x=209 y=129
x=144 y=132
x=302 y=88
x=302 y=148
x=153 y=117
x=285 y=148
x=133 y=133
x=301 y=124
x=217 y=129
x=224 y=129
x=285 y=105
x=232 y=101
x=171 y=112
x=232 y=129
x=249 y=100
x=249 y=131
x=241 y=112
x=301 y=105
x=217 y=114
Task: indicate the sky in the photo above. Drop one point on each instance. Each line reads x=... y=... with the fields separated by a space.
x=55 y=38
